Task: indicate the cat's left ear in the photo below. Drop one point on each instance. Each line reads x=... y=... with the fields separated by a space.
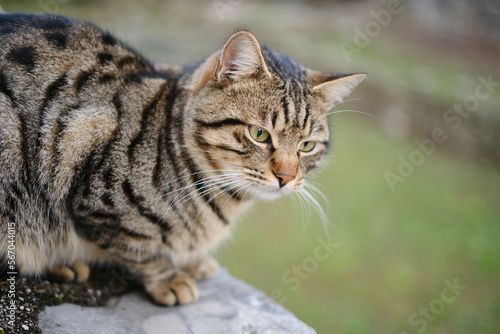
x=333 y=88
x=241 y=58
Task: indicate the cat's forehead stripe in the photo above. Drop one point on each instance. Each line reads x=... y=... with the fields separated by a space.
x=285 y=101
x=295 y=106
x=299 y=106
x=306 y=115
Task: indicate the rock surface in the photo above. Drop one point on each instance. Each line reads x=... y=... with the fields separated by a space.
x=226 y=305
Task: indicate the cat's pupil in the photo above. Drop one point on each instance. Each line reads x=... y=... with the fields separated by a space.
x=259 y=133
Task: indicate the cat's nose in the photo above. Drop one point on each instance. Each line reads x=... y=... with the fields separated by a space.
x=285 y=171
x=284 y=178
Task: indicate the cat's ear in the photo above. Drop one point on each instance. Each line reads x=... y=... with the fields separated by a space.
x=241 y=57
x=333 y=88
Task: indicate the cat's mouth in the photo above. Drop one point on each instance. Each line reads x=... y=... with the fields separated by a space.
x=268 y=192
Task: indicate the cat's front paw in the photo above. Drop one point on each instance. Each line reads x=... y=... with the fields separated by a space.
x=177 y=289
x=77 y=272
x=205 y=268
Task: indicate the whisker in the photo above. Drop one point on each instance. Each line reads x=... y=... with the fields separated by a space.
x=200 y=172
x=213 y=188
x=324 y=218
x=307 y=209
x=317 y=191
x=348 y=100
x=206 y=184
x=306 y=213
x=235 y=194
x=221 y=193
x=348 y=110
x=227 y=187
x=211 y=182
x=246 y=192
x=190 y=185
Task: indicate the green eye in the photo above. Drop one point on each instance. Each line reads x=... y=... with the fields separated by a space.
x=258 y=134
x=307 y=146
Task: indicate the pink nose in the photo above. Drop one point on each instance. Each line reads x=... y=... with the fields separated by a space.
x=284 y=179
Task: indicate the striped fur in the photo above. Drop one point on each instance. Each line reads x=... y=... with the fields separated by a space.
x=107 y=158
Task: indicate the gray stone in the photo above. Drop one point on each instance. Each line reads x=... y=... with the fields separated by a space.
x=226 y=305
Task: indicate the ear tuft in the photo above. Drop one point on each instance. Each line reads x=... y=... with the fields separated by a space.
x=332 y=89
x=241 y=57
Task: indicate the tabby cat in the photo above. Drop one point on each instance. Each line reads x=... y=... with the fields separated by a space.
x=107 y=158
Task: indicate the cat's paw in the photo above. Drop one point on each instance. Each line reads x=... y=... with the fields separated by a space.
x=204 y=269
x=179 y=288
x=77 y=272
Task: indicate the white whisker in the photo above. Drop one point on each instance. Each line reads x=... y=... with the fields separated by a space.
x=348 y=100
x=201 y=172
x=206 y=184
x=224 y=187
x=348 y=110
x=227 y=188
x=312 y=200
x=235 y=194
x=317 y=191
x=236 y=185
x=212 y=180
x=306 y=213
x=190 y=185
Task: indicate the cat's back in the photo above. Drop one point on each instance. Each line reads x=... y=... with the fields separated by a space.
x=35 y=48
x=60 y=83
x=39 y=45
x=44 y=34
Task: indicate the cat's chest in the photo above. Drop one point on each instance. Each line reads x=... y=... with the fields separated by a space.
x=204 y=230
x=179 y=232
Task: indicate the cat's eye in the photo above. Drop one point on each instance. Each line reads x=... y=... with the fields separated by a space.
x=259 y=134
x=307 y=146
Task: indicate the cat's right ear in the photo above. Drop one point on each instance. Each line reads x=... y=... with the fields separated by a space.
x=241 y=58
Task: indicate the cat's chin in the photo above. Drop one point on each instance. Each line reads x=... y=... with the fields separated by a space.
x=269 y=194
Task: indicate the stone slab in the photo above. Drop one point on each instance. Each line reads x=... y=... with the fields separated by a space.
x=226 y=305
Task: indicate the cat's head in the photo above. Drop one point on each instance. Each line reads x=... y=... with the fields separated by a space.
x=259 y=119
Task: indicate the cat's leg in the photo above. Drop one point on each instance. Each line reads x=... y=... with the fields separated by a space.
x=77 y=272
x=203 y=268
x=166 y=284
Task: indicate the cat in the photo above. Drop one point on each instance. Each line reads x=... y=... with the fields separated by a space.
x=108 y=158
